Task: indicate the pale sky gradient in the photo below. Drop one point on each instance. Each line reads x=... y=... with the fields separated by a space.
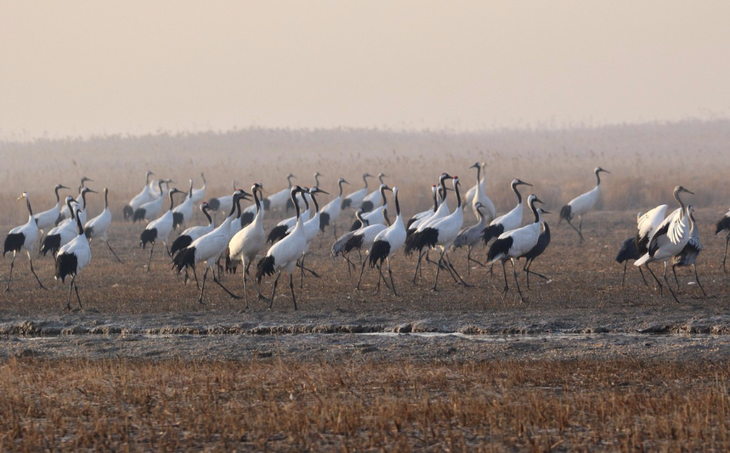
x=74 y=68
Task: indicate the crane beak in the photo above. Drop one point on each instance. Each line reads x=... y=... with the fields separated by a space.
x=322 y=191
x=537 y=200
x=245 y=195
x=64 y=187
x=546 y=212
x=346 y=182
x=476 y=165
x=92 y=191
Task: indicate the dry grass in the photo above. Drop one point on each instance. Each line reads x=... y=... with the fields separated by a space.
x=76 y=405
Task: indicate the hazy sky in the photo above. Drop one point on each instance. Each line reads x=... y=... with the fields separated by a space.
x=70 y=68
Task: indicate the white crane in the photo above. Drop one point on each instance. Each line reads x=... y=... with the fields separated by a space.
x=581 y=204
x=442 y=234
x=99 y=225
x=190 y=234
x=377 y=215
x=65 y=213
x=72 y=258
x=141 y=198
x=471 y=236
x=209 y=248
x=248 y=242
x=516 y=243
x=427 y=213
x=510 y=221
x=284 y=254
x=724 y=225
x=222 y=204
x=373 y=199
x=480 y=194
x=311 y=228
x=158 y=229
x=690 y=252
x=65 y=231
x=47 y=219
x=183 y=212
x=282 y=228
x=279 y=201
x=670 y=238
x=338 y=248
x=329 y=214
x=354 y=200
x=363 y=239
x=22 y=237
x=199 y=194
x=387 y=243
x=152 y=208
x=542 y=244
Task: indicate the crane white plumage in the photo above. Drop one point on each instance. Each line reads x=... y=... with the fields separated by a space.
x=542 y=244
x=355 y=199
x=209 y=248
x=278 y=201
x=471 y=236
x=338 y=248
x=507 y=222
x=442 y=233
x=199 y=194
x=311 y=228
x=373 y=199
x=363 y=239
x=65 y=231
x=581 y=204
x=516 y=243
x=222 y=204
x=284 y=254
x=376 y=215
x=20 y=238
x=427 y=213
x=387 y=242
x=285 y=226
x=480 y=194
x=99 y=225
x=158 y=229
x=724 y=225
x=248 y=242
x=151 y=209
x=671 y=237
x=192 y=233
x=690 y=252
x=141 y=198
x=183 y=212
x=47 y=219
x=329 y=214
x=65 y=213
x=72 y=258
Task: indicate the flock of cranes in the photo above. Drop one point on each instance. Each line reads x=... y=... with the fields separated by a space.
x=64 y=231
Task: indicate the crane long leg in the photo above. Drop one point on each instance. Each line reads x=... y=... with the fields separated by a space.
x=526 y=268
x=291 y=286
x=245 y=293
x=514 y=273
x=506 y=285
x=112 y=250
x=349 y=263
x=390 y=274
x=453 y=269
x=469 y=259
x=273 y=292
x=76 y=288
x=70 y=293
x=202 y=288
x=576 y=230
x=216 y=280
x=697 y=278
x=10 y=276
x=674 y=271
x=529 y=271
x=418 y=266
x=149 y=263
x=362 y=269
x=623 y=278
x=661 y=289
x=724 y=257
x=438 y=268
x=34 y=274
x=380 y=271
x=667 y=282
x=643 y=277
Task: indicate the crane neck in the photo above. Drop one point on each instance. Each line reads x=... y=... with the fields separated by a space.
x=598 y=178
x=58 y=198
x=256 y=200
x=172 y=202
x=517 y=192
x=397 y=205
x=365 y=180
x=190 y=190
x=435 y=199
x=205 y=213
x=382 y=194
x=288 y=178
x=340 y=184
x=534 y=211
x=30 y=210
x=479 y=173
x=458 y=196
x=106 y=198
x=70 y=208
x=294 y=200
x=79 y=225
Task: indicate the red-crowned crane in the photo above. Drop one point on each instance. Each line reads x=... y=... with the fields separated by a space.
x=355 y=199
x=248 y=242
x=99 y=225
x=72 y=258
x=581 y=204
x=22 y=237
x=47 y=219
x=506 y=222
x=387 y=243
x=690 y=252
x=66 y=230
x=190 y=234
x=65 y=213
x=329 y=214
x=480 y=194
x=284 y=254
x=373 y=199
x=141 y=198
x=724 y=225
x=542 y=244
x=377 y=215
x=159 y=229
x=183 y=212
x=670 y=238
x=516 y=243
x=209 y=248
x=199 y=194
x=282 y=228
x=471 y=236
x=152 y=208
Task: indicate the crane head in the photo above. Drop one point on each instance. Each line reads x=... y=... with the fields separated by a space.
x=599 y=169
x=519 y=182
